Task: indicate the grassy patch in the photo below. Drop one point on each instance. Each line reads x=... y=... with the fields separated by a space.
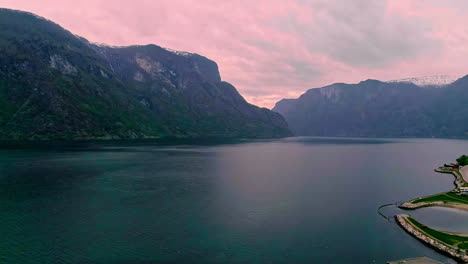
x=463 y=245
x=444 y=237
x=444 y=197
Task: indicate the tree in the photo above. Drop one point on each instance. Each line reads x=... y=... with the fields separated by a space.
x=463 y=160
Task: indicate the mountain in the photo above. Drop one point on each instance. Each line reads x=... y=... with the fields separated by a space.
x=56 y=85
x=429 y=81
x=380 y=109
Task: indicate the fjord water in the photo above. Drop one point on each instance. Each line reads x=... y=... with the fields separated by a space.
x=296 y=200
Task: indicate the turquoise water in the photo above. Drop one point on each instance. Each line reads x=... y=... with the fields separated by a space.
x=297 y=200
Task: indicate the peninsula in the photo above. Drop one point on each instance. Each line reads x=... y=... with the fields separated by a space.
x=454 y=245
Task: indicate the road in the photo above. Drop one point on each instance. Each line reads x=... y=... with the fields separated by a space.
x=464 y=172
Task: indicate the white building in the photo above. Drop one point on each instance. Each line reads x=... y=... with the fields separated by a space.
x=464 y=190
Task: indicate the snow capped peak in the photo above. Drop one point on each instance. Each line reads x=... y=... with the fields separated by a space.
x=105 y=45
x=435 y=80
x=182 y=53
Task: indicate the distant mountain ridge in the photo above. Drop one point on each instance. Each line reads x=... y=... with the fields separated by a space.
x=380 y=109
x=56 y=85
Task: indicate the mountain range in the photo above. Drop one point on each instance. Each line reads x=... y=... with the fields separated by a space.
x=374 y=108
x=56 y=85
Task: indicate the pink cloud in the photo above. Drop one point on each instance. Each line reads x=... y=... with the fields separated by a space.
x=272 y=49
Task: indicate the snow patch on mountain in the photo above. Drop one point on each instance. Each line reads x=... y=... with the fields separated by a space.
x=182 y=53
x=435 y=80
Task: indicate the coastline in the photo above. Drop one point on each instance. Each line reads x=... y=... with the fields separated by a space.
x=450 y=199
x=412 y=206
x=454 y=252
x=459 y=179
x=459 y=182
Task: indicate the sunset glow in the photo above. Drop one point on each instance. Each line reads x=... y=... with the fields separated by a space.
x=273 y=49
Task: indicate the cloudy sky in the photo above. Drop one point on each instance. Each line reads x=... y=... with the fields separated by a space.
x=274 y=49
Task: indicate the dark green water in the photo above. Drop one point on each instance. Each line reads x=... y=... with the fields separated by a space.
x=302 y=200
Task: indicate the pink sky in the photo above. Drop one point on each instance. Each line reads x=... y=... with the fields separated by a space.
x=274 y=49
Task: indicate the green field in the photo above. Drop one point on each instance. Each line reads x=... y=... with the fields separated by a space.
x=454 y=240
x=463 y=245
x=443 y=197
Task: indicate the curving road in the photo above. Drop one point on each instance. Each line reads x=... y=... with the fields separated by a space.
x=464 y=173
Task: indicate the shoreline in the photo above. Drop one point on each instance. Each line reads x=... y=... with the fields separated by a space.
x=451 y=251
x=459 y=182
x=412 y=206
x=453 y=202
x=459 y=179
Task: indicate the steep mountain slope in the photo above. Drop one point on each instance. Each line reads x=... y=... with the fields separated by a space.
x=54 y=84
x=379 y=109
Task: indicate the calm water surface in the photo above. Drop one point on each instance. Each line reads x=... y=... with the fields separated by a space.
x=298 y=200
x=444 y=219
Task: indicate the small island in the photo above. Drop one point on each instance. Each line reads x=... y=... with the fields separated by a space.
x=454 y=245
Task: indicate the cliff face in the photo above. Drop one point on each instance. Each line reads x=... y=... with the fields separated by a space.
x=379 y=109
x=54 y=84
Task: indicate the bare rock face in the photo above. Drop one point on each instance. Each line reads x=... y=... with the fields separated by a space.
x=61 y=64
x=54 y=84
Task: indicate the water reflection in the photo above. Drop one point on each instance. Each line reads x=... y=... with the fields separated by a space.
x=277 y=201
x=342 y=141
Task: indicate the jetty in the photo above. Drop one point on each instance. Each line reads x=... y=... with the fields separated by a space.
x=450 y=244
x=453 y=251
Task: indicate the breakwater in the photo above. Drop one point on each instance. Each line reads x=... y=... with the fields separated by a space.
x=454 y=252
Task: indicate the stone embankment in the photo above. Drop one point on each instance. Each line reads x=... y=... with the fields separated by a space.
x=461 y=255
x=412 y=206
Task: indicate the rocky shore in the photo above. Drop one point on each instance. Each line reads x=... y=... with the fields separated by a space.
x=412 y=206
x=461 y=255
